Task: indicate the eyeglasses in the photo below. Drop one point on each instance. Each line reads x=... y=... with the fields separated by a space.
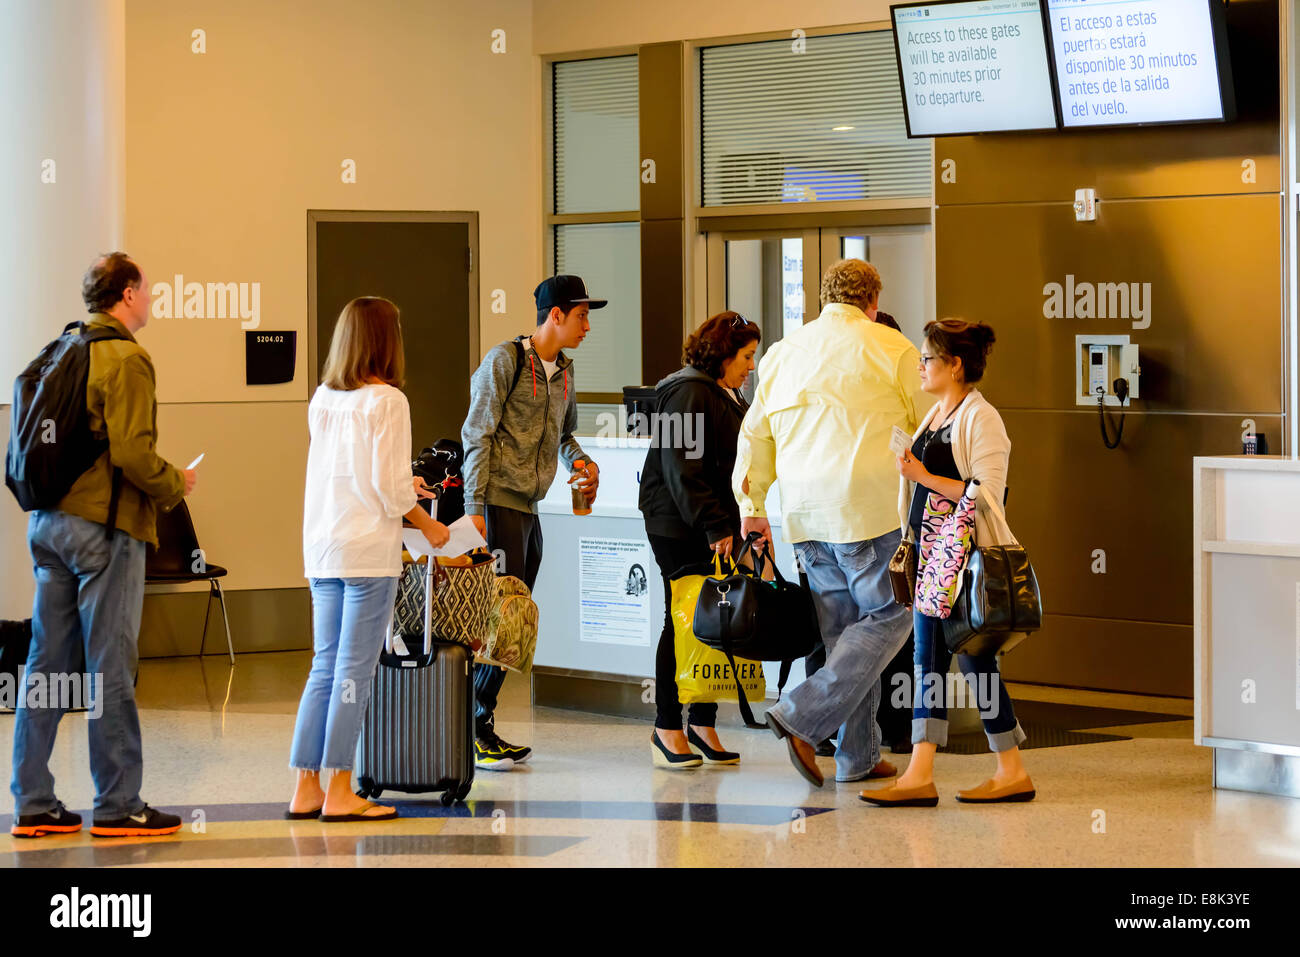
x=738 y=321
x=926 y=360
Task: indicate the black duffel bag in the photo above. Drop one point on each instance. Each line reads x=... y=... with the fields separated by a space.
x=998 y=605
x=743 y=615
x=439 y=465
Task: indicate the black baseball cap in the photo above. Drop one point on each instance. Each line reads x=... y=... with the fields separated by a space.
x=564 y=291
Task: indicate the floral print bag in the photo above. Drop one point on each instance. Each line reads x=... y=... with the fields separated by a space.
x=947 y=537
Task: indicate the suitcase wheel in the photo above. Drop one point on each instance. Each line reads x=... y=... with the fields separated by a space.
x=368 y=789
x=448 y=798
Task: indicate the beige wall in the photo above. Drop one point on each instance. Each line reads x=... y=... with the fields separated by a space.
x=562 y=26
x=228 y=150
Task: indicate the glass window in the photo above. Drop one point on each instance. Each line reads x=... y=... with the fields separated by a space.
x=780 y=126
x=596 y=136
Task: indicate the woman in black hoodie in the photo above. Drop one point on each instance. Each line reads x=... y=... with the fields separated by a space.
x=689 y=508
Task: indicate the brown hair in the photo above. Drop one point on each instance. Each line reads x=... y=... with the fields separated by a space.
x=851 y=281
x=367 y=343
x=971 y=342
x=718 y=340
x=106 y=279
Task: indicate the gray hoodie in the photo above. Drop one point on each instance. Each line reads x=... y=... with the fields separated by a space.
x=512 y=438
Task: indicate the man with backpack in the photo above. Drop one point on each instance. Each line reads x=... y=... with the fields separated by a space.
x=522 y=414
x=81 y=459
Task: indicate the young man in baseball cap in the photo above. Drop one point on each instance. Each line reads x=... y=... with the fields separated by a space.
x=522 y=413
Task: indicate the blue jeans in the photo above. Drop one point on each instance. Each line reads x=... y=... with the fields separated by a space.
x=349 y=619
x=929 y=702
x=862 y=629
x=89 y=592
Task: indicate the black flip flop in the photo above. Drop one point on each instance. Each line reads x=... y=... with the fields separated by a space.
x=301 y=815
x=342 y=818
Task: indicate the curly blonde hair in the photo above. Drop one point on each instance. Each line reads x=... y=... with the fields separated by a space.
x=851 y=281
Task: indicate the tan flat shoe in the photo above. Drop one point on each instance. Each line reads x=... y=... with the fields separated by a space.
x=988 y=793
x=924 y=796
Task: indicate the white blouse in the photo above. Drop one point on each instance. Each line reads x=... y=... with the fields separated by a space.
x=359 y=483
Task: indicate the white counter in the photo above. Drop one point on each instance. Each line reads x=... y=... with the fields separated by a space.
x=1246 y=551
x=615 y=516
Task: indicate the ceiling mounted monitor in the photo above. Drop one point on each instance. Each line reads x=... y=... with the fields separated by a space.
x=1138 y=62
x=974 y=66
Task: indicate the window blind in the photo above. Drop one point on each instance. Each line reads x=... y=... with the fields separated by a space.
x=780 y=126
x=596 y=137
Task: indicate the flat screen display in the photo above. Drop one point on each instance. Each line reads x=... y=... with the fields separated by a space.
x=1132 y=62
x=974 y=66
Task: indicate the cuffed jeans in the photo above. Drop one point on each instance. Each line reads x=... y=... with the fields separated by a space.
x=89 y=592
x=929 y=704
x=350 y=617
x=862 y=629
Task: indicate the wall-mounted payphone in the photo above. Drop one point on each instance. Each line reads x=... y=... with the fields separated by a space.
x=1106 y=372
x=1101 y=363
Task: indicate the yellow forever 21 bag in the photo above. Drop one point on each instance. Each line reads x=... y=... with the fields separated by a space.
x=703 y=673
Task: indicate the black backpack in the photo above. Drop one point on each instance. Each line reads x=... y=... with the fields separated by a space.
x=439 y=465
x=50 y=442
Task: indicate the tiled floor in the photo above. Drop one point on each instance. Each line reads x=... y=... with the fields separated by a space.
x=217 y=741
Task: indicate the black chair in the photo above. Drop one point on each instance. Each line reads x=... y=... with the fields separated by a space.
x=175 y=560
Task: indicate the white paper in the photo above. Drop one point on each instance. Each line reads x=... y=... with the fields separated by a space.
x=195 y=463
x=614 y=590
x=899 y=441
x=464 y=537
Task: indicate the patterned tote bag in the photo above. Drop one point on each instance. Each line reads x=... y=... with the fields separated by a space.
x=947 y=536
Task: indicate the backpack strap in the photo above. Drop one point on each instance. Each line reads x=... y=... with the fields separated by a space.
x=101 y=334
x=519 y=364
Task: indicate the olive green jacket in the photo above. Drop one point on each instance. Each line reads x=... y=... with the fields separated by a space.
x=120 y=396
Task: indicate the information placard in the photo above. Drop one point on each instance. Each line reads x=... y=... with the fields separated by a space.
x=974 y=67
x=1129 y=62
x=614 y=590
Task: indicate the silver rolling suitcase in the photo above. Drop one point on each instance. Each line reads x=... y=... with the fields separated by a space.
x=418 y=732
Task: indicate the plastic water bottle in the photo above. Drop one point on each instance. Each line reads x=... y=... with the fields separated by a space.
x=580 y=504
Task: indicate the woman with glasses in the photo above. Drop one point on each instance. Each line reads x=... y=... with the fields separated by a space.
x=689 y=509
x=962 y=438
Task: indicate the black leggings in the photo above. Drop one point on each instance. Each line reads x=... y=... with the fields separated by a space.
x=672 y=554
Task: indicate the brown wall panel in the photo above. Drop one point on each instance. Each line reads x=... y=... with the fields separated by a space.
x=1136 y=657
x=1070 y=495
x=1213 y=264
x=1191 y=160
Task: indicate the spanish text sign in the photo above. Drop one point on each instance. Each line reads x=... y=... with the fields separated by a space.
x=1135 y=61
x=973 y=67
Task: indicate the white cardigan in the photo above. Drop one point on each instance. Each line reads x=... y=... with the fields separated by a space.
x=981 y=450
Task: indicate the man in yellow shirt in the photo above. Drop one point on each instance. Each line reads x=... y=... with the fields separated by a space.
x=828 y=398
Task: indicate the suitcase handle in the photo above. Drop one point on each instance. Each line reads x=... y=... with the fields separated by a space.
x=428 y=614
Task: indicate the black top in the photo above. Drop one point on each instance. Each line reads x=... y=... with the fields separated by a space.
x=686 y=479
x=934 y=450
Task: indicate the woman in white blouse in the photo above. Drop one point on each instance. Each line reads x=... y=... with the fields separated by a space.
x=359 y=488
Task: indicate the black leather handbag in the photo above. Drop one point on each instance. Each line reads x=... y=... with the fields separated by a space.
x=998 y=604
x=744 y=615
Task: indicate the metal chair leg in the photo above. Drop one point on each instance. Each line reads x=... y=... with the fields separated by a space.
x=225 y=617
x=207 y=611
